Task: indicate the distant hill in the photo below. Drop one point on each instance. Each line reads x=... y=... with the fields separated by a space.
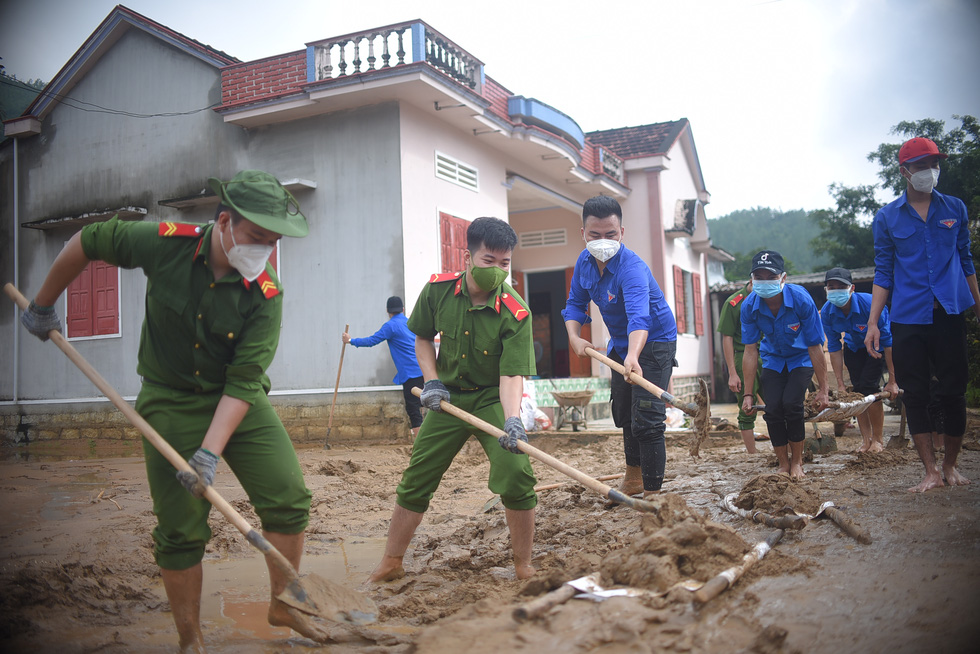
x=745 y=232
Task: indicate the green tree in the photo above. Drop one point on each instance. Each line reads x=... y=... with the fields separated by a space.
x=845 y=232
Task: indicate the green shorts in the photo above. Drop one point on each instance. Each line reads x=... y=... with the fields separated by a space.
x=259 y=453
x=746 y=421
x=440 y=439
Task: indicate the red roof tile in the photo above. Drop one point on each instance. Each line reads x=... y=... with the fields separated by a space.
x=640 y=141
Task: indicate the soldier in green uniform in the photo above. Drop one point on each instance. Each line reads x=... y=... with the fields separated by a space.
x=730 y=328
x=485 y=350
x=211 y=329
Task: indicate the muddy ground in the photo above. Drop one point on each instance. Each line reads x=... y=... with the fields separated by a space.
x=77 y=574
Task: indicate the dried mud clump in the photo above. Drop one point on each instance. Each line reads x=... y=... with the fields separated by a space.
x=775 y=494
x=676 y=544
x=810 y=404
x=872 y=460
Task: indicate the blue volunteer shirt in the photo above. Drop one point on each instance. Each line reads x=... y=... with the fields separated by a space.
x=627 y=295
x=854 y=325
x=401 y=343
x=923 y=261
x=788 y=334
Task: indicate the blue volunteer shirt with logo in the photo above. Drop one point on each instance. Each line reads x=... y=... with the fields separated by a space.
x=401 y=342
x=924 y=261
x=854 y=325
x=788 y=334
x=627 y=295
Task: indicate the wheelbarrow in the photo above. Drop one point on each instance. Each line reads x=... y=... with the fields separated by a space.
x=571 y=407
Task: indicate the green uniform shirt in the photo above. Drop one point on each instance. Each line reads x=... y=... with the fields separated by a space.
x=476 y=344
x=730 y=320
x=198 y=335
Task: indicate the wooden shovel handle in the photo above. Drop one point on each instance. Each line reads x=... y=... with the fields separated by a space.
x=547 y=459
x=157 y=441
x=687 y=407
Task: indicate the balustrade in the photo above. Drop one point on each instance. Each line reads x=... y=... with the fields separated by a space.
x=400 y=44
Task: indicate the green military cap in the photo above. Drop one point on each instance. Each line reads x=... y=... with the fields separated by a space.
x=259 y=197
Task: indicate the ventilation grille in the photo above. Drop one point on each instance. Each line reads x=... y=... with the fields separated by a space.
x=543 y=238
x=457 y=172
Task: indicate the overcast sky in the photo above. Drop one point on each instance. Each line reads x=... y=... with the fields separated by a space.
x=784 y=96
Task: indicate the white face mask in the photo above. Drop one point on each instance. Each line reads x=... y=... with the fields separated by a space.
x=925 y=180
x=249 y=260
x=603 y=249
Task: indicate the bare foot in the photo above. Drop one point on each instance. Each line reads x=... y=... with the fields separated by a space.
x=796 y=472
x=283 y=615
x=196 y=647
x=389 y=569
x=932 y=480
x=953 y=477
x=865 y=447
x=783 y=470
x=877 y=446
x=524 y=571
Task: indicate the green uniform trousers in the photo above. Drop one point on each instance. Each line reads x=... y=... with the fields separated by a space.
x=745 y=421
x=440 y=439
x=259 y=453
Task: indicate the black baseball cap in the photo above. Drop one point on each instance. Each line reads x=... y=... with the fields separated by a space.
x=838 y=275
x=768 y=260
x=395 y=304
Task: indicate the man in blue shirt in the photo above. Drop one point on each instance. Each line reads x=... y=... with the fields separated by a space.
x=643 y=337
x=922 y=256
x=846 y=312
x=401 y=344
x=793 y=349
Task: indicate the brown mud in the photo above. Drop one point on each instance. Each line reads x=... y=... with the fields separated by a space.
x=77 y=572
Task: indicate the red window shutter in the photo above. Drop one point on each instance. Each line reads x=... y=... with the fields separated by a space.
x=105 y=290
x=698 y=315
x=452 y=241
x=79 y=315
x=680 y=309
x=93 y=301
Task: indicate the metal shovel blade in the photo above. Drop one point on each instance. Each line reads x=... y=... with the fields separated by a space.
x=321 y=597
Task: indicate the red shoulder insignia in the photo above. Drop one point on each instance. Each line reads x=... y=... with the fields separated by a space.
x=268 y=287
x=179 y=229
x=515 y=307
x=444 y=277
x=736 y=299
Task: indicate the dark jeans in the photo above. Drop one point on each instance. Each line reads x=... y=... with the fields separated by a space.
x=413 y=405
x=865 y=371
x=641 y=414
x=785 y=393
x=921 y=351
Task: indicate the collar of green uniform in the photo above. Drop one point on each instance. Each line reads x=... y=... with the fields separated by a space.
x=204 y=249
x=464 y=289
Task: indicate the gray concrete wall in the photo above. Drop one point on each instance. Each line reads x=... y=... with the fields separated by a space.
x=341 y=273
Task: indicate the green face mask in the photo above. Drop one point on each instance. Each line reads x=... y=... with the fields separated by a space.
x=488 y=278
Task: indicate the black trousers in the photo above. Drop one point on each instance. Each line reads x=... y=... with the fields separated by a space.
x=922 y=352
x=641 y=414
x=413 y=405
x=785 y=393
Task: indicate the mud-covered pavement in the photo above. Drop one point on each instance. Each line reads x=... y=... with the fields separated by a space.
x=77 y=574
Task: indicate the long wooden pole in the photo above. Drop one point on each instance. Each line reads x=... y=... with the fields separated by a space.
x=689 y=408
x=579 y=476
x=336 y=387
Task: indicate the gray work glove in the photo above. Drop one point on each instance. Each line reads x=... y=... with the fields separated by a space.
x=515 y=432
x=40 y=320
x=204 y=462
x=434 y=392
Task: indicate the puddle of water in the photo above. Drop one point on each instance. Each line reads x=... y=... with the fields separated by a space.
x=235 y=599
x=80 y=491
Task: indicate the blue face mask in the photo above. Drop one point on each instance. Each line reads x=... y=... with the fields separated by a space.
x=767 y=288
x=838 y=297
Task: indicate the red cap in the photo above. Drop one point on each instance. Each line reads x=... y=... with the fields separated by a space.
x=917 y=148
